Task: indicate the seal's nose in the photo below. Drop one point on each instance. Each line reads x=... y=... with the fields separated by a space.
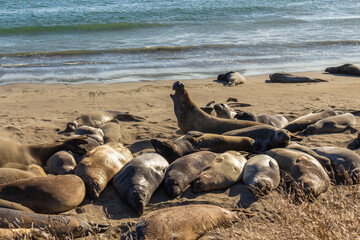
x=178 y=84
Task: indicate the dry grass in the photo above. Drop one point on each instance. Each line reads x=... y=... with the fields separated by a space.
x=334 y=215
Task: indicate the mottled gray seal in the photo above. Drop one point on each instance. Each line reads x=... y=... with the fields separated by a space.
x=195 y=141
x=261 y=173
x=181 y=222
x=62 y=162
x=139 y=178
x=265 y=136
x=191 y=118
x=333 y=124
x=276 y=120
x=291 y=78
x=224 y=171
x=347 y=68
x=112 y=132
x=51 y=194
x=346 y=163
x=302 y=122
x=223 y=110
x=307 y=174
x=8 y=175
x=184 y=170
x=232 y=78
x=100 y=165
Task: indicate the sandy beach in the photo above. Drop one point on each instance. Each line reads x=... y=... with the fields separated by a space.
x=36 y=113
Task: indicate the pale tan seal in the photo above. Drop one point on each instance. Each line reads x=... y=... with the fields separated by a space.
x=224 y=171
x=112 y=131
x=14 y=205
x=195 y=141
x=51 y=194
x=291 y=78
x=232 y=78
x=191 y=118
x=100 y=165
x=333 y=124
x=61 y=163
x=308 y=177
x=95 y=133
x=347 y=68
x=181 y=222
x=261 y=173
x=8 y=175
x=276 y=120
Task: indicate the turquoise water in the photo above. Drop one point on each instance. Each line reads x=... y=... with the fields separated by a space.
x=110 y=41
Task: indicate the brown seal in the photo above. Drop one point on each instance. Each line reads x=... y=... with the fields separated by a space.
x=14 y=205
x=51 y=194
x=100 y=165
x=61 y=163
x=302 y=122
x=191 y=118
x=223 y=172
x=112 y=132
x=139 y=178
x=291 y=78
x=307 y=177
x=95 y=133
x=347 y=68
x=232 y=78
x=261 y=173
x=333 y=124
x=184 y=170
x=181 y=222
x=8 y=175
x=195 y=141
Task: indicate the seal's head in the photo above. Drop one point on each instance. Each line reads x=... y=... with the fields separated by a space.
x=165 y=149
x=282 y=138
x=71 y=127
x=223 y=111
x=181 y=95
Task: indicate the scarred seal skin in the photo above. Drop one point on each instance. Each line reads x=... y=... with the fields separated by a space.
x=51 y=194
x=224 y=171
x=191 y=118
x=182 y=222
x=139 y=178
x=306 y=173
x=333 y=124
x=100 y=165
x=184 y=170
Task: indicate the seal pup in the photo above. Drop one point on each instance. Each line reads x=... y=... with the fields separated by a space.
x=139 y=178
x=261 y=173
x=232 y=78
x=349 y=69
x=184 y=170
x=346 y=163
x=100 y=165
x=112 y=132
x=265 y=136
x=224 y=171
x=195 y=141
x=291 y=78
x=181 y=222
x=333 y=124
x=61 y=226
x=276 y=120
x=191 y=118
x=308 y=177
x=223 y=110
x=61 y=163
x=302 y=122
x=8 y=175
x=51 y=194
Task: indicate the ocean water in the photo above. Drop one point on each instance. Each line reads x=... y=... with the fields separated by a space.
x=75 y=41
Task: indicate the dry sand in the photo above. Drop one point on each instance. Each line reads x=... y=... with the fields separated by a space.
x=35 y=113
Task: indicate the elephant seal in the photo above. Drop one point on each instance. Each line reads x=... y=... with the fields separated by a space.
x=346 y=163
x=302 y=122
x=265 y=136
x=92 y=132
x=14 y=205
x=276 y=120
x=224 y=171
x=333 y=124
x=224 y=111
x=61 y=163
x=181 y=222
x=349 y=69
x=308 y=177
x=291 y=78
x=232 y=78
x=261 y=173
x=139 y=178
x=100 y=165
x=184 y=170
x=51 y=194
x=8 y=175
x=60 y=226
x=112 y=132
x=191 y=118
x=195 y=141
x=243 y=115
